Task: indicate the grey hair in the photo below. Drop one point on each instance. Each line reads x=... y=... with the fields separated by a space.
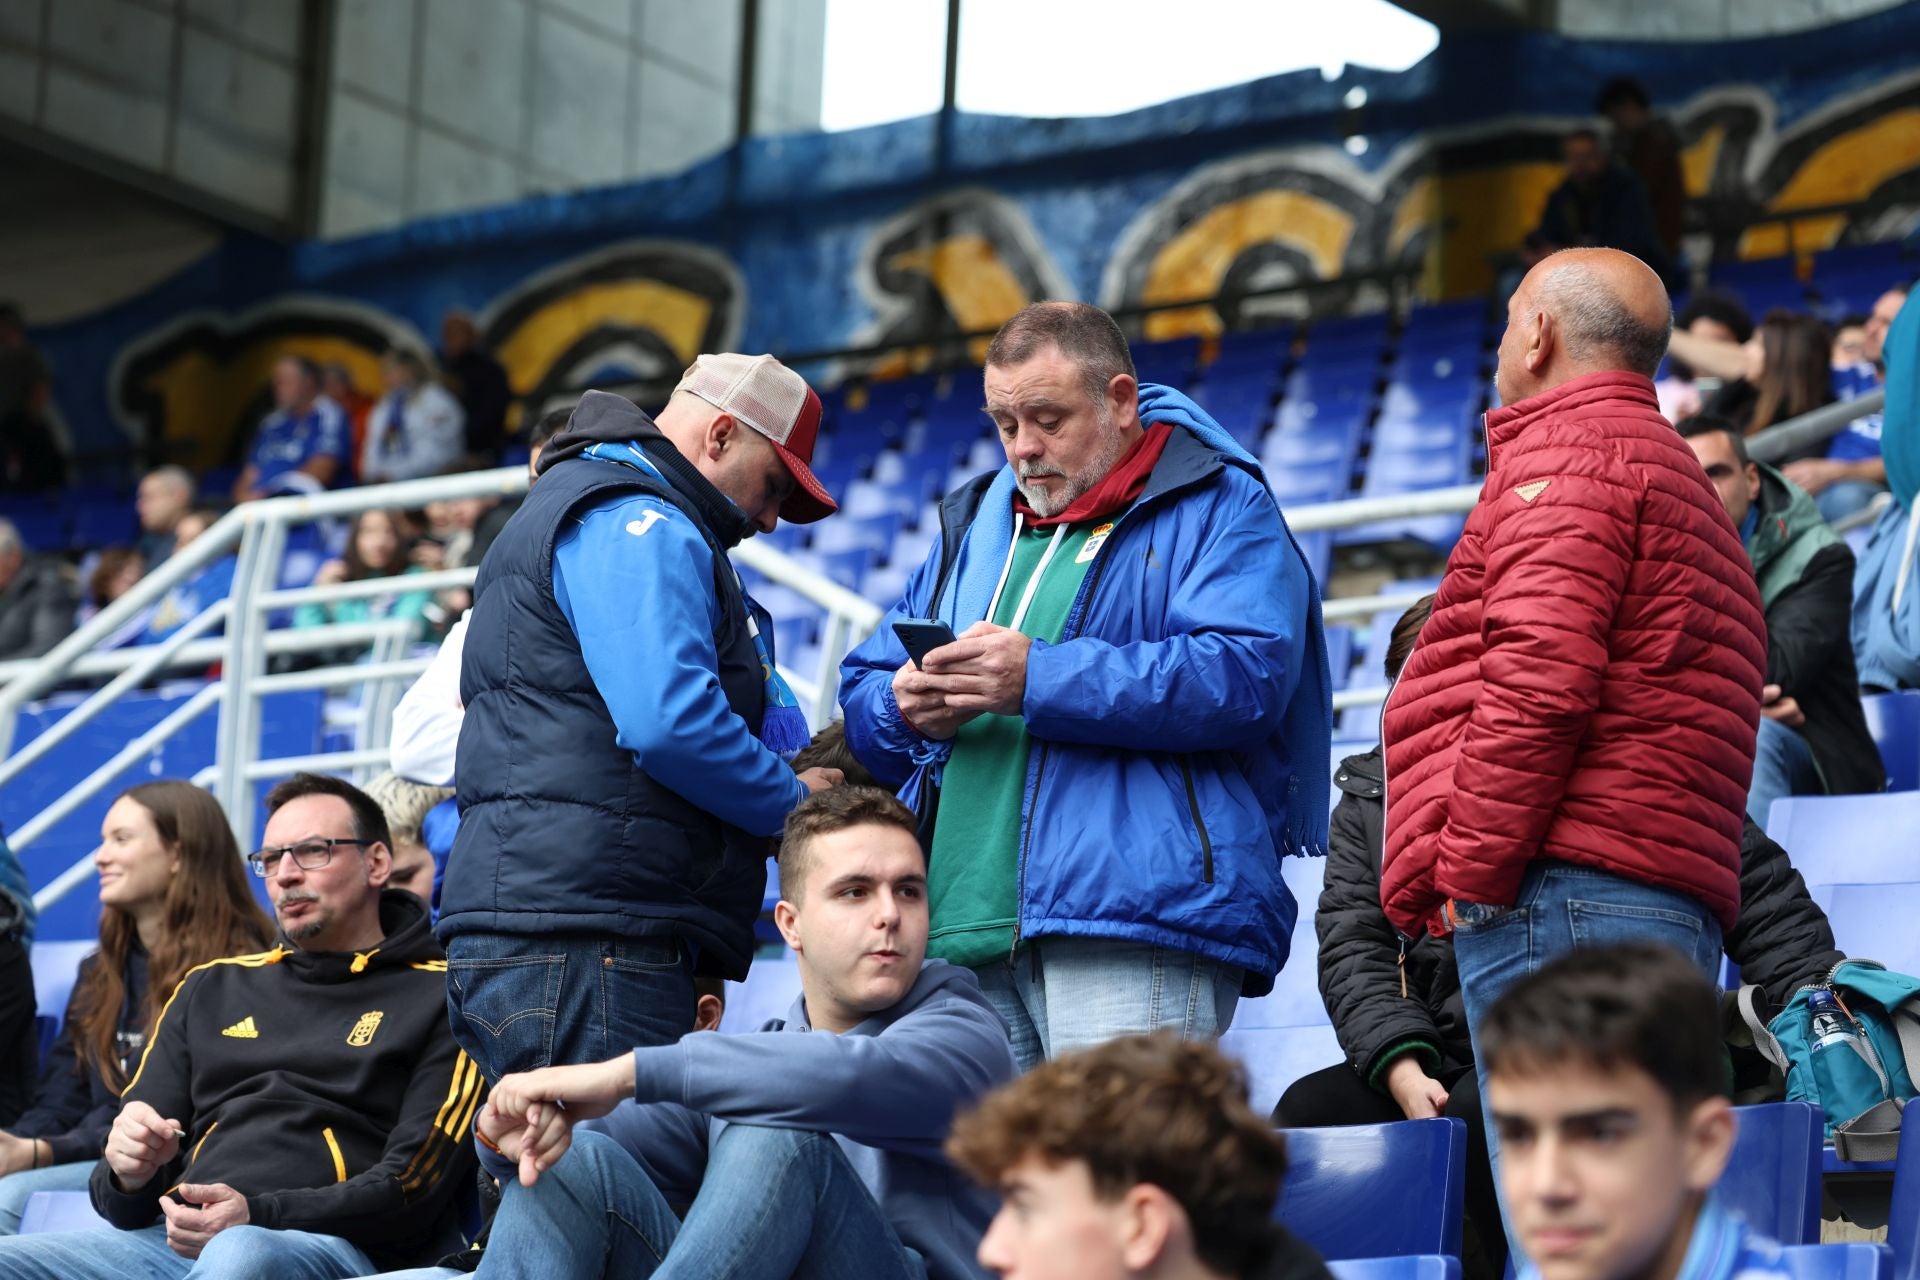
x=10 y=538
x=178 y=475
x=406 y=803
x=1084 y=334
x=1595 y=322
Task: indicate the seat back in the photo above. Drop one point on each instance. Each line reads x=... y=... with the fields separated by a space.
x=1773 y=1177
x=1903 y=1222
x=1894 y=721
x=1855 y=1260
x=1286 y=1033
x=60 y=1211
x=1426 y=1266
x=55 y=967
x=1856 y=855
x=1377 y=1190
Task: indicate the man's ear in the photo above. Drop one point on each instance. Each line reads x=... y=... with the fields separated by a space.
x=1753 y=482
x=721 y=433
x=707 y=1011
x=1123 y=397
x=1540 y=347
x=786 y=919
x=1707 y=1143
x=1150 y=1222
x=379 y=864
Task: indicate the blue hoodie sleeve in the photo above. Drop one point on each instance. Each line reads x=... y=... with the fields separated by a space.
x=1236 y=632
x=878 y=735
x=897 y=1090
x=634 y=581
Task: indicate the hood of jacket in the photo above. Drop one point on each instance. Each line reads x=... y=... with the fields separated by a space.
x=937 y=979
x=1791 y=531
x=406 y=939
x=1364 y=775
x=604 y=418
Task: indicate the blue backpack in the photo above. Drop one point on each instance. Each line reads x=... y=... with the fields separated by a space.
x=1863 y=1088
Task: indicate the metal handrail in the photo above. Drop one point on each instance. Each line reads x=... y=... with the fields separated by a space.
x=1784 y=439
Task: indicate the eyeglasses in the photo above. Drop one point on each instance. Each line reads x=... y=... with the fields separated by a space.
x=308 y=855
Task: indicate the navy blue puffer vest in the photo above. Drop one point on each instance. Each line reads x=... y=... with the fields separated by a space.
x=560 y=831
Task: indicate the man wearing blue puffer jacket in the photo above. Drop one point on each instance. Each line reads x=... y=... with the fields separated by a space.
x=1131 y=730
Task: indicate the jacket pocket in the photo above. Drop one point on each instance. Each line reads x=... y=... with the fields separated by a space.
x=1199 y=823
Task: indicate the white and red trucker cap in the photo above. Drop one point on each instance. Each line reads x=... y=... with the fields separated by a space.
x=776 y=402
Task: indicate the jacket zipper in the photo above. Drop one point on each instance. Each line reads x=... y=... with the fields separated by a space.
x=1193 y=803
x=1068 y=632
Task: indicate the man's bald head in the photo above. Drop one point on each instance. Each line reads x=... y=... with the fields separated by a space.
x=1582 y=311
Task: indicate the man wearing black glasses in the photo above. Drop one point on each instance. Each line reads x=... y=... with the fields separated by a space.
x=300 y=1112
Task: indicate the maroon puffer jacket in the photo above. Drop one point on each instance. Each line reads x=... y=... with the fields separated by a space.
x=1588 y=687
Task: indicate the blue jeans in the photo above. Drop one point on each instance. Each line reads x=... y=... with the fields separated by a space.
x=1782 y=766
x=519 y=1003
x=773 y=1203
x=1838 y=501
x=238 y=1253
x=1562 y=908
x=1062 y=994
x=17 y=1188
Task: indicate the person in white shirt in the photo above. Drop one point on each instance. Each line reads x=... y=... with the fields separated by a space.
x=417 y=428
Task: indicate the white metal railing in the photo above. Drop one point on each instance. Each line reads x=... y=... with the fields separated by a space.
x=257 y=533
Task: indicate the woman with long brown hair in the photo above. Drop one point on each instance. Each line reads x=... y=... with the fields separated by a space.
x=1789 y=372
x=173 y=895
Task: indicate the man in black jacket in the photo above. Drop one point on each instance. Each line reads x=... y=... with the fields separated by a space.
x=37 y=599
x=1813 y=733
x=303 y=1111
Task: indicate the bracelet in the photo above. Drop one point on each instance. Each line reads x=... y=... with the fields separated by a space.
x=487 y=1142
x=34 y=1144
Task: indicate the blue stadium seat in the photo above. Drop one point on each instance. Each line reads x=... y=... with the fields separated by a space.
x=1339 y=654
x=111 y=523
x=41 y=528
x=1773 y=1177
x=55 y=967
x=60 y=1211
x=1169 y=363
x=1426 y=1266
x=1366 y=334
x=1379 y=1190
x=1856 y=855
x=1854 y=1260
x=1903 y=1223
x=1286 y=1033
x=772 y=985
x=1894 y=721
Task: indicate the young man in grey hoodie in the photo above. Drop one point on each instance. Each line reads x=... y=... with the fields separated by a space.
x=771 y=1153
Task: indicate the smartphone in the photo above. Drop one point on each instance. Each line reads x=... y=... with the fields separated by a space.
x=922 y=636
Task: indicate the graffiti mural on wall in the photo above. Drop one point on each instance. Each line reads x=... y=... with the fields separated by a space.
x=1136 y=211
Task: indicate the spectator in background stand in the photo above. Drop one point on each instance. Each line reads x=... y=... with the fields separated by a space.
x=1650 y=149
x=1849 y=343
x=1854 y=471
x=376 y=549
x=37 y=599
x=302 y=446
x=337 y=385
x=19 y=1037
x=1711 y=317
x=1813 y=736
x=406 y=805
x=1886 y=586
x=117 y=571
x=165 y=497
x=1599 y=206
x=31 y=459
x=417 y=429
x=1139 y=1158
x=187 y=599
x=481 y=385
x=1789 y=372
x=173 y=896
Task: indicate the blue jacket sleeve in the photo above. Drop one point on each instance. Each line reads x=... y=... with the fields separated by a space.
x=897 y=1091
x=1236 y=641
x=877 y=733
x=634 y=580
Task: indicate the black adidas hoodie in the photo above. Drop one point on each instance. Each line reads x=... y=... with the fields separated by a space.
x=323 y=1086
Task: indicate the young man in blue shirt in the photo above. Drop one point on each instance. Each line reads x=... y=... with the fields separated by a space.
x=810 y=1147
x=1604 y=1081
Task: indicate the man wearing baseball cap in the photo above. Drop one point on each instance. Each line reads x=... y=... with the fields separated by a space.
x=622 y=763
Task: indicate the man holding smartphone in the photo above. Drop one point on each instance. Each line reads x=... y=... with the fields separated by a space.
x=623 y=754
x=1132 y=725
